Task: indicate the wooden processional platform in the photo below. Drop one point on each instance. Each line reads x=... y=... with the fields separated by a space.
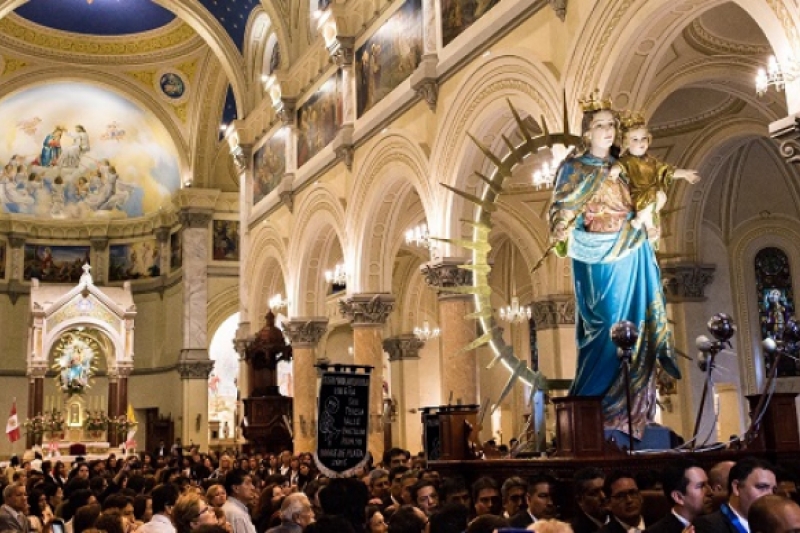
x=580 y=443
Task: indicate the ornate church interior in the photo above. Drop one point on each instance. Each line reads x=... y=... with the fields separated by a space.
x=178 y=173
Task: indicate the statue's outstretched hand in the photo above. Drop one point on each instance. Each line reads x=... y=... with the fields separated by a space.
x=690 y=176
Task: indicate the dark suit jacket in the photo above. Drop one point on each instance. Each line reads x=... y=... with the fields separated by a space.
x=713 y=523
x=668 y=524
x=613 y=526
x=521 y=519
x=583 y=524
x=9 y=522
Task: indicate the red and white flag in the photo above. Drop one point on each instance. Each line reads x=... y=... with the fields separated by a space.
x=12 y=426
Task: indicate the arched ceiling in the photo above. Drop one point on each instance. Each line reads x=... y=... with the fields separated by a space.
x=126 y=17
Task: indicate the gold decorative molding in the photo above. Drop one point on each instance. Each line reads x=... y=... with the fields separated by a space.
x=15 y=28
x=182 y=111
x=12 y=65
x=189 y=68
x=147 y=77
x=702 y=40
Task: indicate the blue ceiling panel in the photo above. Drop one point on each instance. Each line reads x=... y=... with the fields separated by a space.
x=96 y=17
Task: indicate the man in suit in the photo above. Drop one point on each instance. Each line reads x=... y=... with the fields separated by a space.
x=539 y=502
x=588 y=490
x=624 y=504
x=774 y=514
x=749 y=480
x=686 y=486
x=14 y=512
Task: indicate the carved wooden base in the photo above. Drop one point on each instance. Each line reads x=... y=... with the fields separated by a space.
x=450 y=432
x=778 y=430
x=579 y=427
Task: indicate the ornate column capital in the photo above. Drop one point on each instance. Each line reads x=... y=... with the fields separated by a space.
x=787 y=132
x=367 y=309
x=425 y=82
x=402 y=347
x=553 y=311
x=305 y=332
x=99 y=244
x=16 y=240
x=195 y=369
x=686 y=282
x=124 y=370
x=342 y=51
x=560 y=7
x=285 y=110
x=196 y=218
x=445 y=272
x=163 y=234
x=37 y=370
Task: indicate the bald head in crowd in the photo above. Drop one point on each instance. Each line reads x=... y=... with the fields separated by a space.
x=774 y=514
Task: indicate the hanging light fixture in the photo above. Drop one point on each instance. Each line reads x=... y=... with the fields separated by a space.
x=420 y=237
x=337 y=276
x=514 y=313
x=777 y=74
x=425 y=333
x=545 y=175
x=277 y=302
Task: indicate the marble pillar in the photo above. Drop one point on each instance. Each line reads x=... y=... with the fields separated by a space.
x=194 y=396
x=403 y=353
x=368 y=314
x=459 y=370
x=685 y=285
x=305 y=334
x=196 y=239
x=554 y=317
x=98 y=257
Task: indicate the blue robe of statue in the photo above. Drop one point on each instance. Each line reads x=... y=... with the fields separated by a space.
x=615 y=277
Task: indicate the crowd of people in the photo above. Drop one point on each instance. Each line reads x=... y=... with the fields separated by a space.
x=173 y=492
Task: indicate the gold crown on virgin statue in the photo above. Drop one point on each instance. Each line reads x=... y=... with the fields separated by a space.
x=631 y=120
x=594 y=102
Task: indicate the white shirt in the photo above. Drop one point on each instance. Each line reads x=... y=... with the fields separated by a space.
x=158 y=524
x=237 y=516
x=632 y=529
x=681 y=519
x=743 y=520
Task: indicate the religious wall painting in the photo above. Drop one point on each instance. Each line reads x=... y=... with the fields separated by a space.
x=175 y=251
x=269 y=166
x=172 y=85
x=55 y=264
x=134 y=261
x=775 y=299
x=3 y=256
x=458 y=15
x=389 y=56
x=225 y=240
x=72 y=150
x=319 y=118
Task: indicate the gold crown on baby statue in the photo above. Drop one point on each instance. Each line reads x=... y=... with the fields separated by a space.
x=594 y=102
x=631 y=120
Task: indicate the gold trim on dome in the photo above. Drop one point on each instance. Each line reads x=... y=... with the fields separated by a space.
x=173 y=34
x=12 y=65
x=147 y=77
x=189 y=68
x=182 y=111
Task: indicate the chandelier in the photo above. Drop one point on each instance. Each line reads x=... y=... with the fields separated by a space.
x=776 y=75
x=277 y=302
x=337 y=276
x=545 y=175
x=425 y=333
x=515 y=313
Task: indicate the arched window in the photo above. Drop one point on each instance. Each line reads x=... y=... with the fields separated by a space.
x=775 y=299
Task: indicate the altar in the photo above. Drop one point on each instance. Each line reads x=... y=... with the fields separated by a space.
x=79 y=336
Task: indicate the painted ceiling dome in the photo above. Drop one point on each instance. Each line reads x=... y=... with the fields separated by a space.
x=97 y=17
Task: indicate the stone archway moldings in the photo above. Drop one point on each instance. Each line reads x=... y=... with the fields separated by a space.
x=754 y=236
x=317 y=211
x=486 y=84
x=117 y=84
x=220 y=307
x=267 y=247
x=711 y=144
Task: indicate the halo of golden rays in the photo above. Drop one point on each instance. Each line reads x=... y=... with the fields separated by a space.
x=486 y=205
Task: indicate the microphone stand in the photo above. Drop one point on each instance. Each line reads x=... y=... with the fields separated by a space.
x=712 y=354
x=624 y=355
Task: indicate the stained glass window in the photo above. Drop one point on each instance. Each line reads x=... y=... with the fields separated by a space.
x=775 y=299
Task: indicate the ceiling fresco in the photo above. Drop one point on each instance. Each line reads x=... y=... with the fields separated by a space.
x=125 y=17
x=76 y=151
x=96 y=17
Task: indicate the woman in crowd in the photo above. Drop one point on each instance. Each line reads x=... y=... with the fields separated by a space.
x=192 y=511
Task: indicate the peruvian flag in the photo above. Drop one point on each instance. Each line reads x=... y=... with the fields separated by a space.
x=12 y=426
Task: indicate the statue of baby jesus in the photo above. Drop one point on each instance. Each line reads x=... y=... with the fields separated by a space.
x=648 y=178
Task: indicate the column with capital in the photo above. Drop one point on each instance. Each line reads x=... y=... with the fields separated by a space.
x=368 y=314
x=684 y=287
x=35 y=398
x=17 y=265
x=113 y=404
x=459 y=370
x=554 y=318
x=403 y=353
x=304 y=334
x=194 y=391
x=98 y=258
